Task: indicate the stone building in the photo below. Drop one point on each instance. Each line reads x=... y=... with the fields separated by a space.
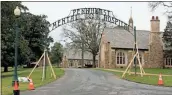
x=116 y=48
x=73 y=58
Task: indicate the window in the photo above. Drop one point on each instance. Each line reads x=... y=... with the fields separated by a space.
x=120 y=58
x=169 y=61
x=71 y=62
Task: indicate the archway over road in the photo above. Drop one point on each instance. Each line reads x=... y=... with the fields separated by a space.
x=96 y=14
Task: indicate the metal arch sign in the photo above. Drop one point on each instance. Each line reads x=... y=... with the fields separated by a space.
x=104 y=15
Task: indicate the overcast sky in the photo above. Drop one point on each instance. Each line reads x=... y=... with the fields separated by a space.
x=140 y=12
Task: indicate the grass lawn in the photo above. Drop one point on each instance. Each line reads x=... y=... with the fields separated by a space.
x=36 y=76
x=146 y=79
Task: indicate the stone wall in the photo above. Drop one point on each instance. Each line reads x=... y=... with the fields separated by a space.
x=146 y=57
x=106 y=64
x=102 y=52
x=130 y=55
x=102 y=56
x=107 y=55
x=155 y=56
x=110 y=61
x=113 y=65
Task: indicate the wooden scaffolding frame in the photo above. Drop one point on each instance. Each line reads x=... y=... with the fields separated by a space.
x=130 y=64
x=45 y=55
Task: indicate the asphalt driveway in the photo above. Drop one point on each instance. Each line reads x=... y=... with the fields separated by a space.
x=94 y=82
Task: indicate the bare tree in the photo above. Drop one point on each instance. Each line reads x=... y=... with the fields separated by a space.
x=166 y=5
x=85 y=32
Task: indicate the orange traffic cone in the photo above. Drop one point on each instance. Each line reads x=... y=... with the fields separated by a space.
x=31 y=86
x=16 y=86
x=160 y=81
x=16 y=90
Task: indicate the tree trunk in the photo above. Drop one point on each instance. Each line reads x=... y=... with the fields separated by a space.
x=57 y=64
x=5 y=68
x=163 y=67
x=164 y=63
x=82 y=55
x=94 y=61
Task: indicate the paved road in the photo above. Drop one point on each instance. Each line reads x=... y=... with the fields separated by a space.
x=93 y=82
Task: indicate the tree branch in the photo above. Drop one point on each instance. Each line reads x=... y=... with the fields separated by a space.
x=169 y=6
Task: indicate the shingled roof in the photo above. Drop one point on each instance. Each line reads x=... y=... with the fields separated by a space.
x=120 y=38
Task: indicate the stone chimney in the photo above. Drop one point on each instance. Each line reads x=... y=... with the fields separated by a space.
x=155 y=24
x=155 y=29
x=155 y=45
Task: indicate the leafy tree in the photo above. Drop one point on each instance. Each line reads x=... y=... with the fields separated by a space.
x=56 y=53
x=87 y=33
x=36 y=33
x=7 y=32
x=33 y=35
x=167 y=37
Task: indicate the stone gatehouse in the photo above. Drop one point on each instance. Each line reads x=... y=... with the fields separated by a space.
x=116 y=48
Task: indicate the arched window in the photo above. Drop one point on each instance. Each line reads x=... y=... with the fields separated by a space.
x=120 y=58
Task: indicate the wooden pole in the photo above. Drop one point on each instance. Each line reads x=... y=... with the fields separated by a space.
x=138 y=57
x=36 y=65
x=140 y=65
x=128 y=66
x=129 y=70
x=43 y=71
x=51 y=67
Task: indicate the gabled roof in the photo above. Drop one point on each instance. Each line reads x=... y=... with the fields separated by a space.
x=120 y=38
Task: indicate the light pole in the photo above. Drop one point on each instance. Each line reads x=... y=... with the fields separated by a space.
x=135 y=50
x=15 y=82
